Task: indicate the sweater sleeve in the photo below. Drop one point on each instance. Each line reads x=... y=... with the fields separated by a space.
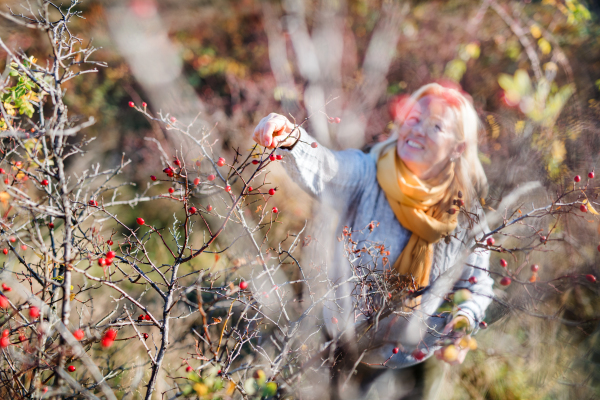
x=320 y=171
x=477 y=266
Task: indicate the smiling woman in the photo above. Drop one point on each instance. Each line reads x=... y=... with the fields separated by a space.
x=415 y=184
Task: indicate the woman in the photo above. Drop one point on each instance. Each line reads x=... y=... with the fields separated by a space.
x=409 y=184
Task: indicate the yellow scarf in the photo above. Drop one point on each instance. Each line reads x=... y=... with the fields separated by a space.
x=421 y=207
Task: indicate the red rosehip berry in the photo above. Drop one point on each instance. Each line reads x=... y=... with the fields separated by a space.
x=243 y=285
x=535 y=268
x=4 y=302
x=152 y=177
x=111 y=334
x=45 y=182
x=2 y=171
x=503 y=263
x=192 y=210
x=314 y=145
x=198 y=163
x=396 y=350
x=5 y=251
x=490 y=241
x=590 y=278
x=543 y=239
x=102 y=262
x=583 y=208
x=272 y=191
x=6 y=181
x=168 y=170
x=71 y=368
x=211 y=177
x=131 y=104
x=5 y=333
x=171 y=190
x=34 y=312
x=591 y=175
x=141 y=317
x=196 y=181
x=140 y=221
x=255 y=162
x=505 y=281
x=279 y=157
x=79 y=334
x=12 y=239
x=147 y=317
x=188 y=369
x=228 y=189
x=23 y=247
x=6 y=288
x=275 y=210
x=109 y=242
x=472 y=280
x=22 y=338
x=577 y=178
x=272 y=157
x=92 y=203
x=483 y=325
x=334 y=320
x=249 y=188
x=337 y=120
x=144 y=104
x=145 y=335
x=106 y=342
x=209 y=208
x=177 y=162
x=418 y=354
x=111 y=254
x=221 y=161
x=173 y=120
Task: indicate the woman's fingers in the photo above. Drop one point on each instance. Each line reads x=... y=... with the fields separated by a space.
x=272 y=130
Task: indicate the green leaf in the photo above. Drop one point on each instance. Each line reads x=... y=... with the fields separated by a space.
x=270 y=389
x=250 y=386
x=506 y=82
x=187 y=390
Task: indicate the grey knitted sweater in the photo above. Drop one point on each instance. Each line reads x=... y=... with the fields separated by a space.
x=346 y=180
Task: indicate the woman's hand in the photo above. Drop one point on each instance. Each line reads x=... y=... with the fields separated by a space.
x=455 y=353
x=274 y=131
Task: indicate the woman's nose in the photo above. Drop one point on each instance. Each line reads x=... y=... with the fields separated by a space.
x=419 y=130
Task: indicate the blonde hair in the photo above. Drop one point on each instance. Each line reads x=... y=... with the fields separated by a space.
x=469 y=174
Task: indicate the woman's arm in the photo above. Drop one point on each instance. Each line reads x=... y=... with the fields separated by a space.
x=318 y=170
x=476 y=267
x=476 y=278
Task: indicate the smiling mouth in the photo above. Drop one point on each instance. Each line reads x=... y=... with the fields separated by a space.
x=414 y=145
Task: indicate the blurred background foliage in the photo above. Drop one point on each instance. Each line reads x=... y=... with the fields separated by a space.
x=531 y=67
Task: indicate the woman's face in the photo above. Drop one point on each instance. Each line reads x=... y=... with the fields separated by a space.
x=426 y=139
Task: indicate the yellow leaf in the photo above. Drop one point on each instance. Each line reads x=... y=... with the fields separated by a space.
x=230 y=388
x=4 y=197
x=590 y=208
x=558 y=151
x=535 y=30
x=72 y=296
x=545 y=46
x=200 y=389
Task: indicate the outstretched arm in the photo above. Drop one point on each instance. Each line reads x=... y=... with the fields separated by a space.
x=316 y=169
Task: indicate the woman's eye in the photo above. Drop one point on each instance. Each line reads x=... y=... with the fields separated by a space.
x=413 y=120
x=438 y=128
